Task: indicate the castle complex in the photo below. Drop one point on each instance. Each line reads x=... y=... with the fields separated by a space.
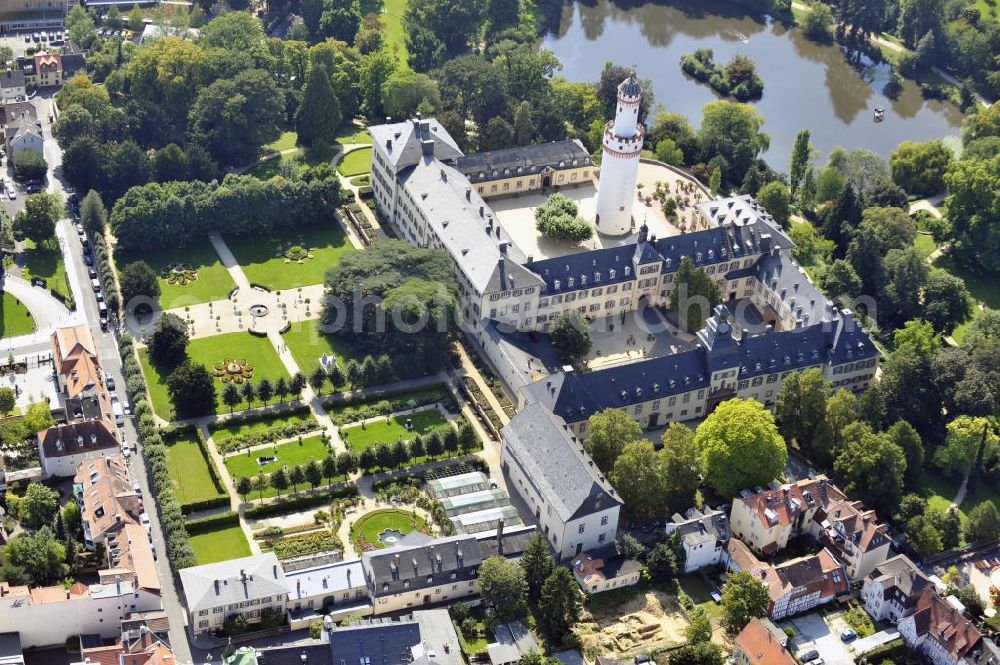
x=437 y=197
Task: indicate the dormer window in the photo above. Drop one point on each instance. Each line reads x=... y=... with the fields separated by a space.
x=628 y=271
x=556 y=284
x=597 y=276
x=569 y=282
x=583 y=282
x=611 y=273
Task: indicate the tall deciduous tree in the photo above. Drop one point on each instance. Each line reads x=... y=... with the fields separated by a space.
x=37 y=221
x=732 y=131
x=983 y=524
x=168 y=343
x=871 y=466
x=801 y=154
x=800 y=406
x=570 y=336
x=638 y=475
x=318 y=116
x=610 y=430
x=681 y=467
x=694 y=295
x=502 y=584
x=744 y=597
x=740 y=446
x=138 y=279
x=192 y=390
x=38 y=506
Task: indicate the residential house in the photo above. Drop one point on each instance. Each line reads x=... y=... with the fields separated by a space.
x=12 y=86
x=576 y=507
x=48 y=69
x=703 y=533
x=23 y=135
x=766 y=520
x=603 y=570
x=421 y=571
x=938 y=630
x=891 y=590
x=795 y=586
x=762 y=643
x=73 y=59
x=77 y=366
x=63 y=448
x=107 y=499
x=11 y=111
x=248 y=586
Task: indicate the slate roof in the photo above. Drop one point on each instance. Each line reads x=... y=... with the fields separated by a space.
x=900 y=579
x=408 y=567
x=76 y=438
x=264 y=577
x=629 y=88
x=403 y=141
x=556 y=464
x=14 y=110
x=592 y=269
x=698 y=526
x=382 y=642
x=12 y=78
x=513 y=543
x=523 y=160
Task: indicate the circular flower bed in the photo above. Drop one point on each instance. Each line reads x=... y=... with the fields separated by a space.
x=297 y=253
x=384 y=527
x=235 y=370
x=180 y=274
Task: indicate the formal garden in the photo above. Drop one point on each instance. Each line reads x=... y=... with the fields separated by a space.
x=290 y=258
x=15 y=318
x=240 y=431
x=384 y=528
x=238 y=350
x=186 y=276
x=280 y=456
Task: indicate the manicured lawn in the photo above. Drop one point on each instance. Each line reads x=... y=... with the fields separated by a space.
x=300 y=157
x=288 y=454
x=308 y=345
x=15 y=318
x=286 y=141
x=264 y=263
x=351 y=133
x=360 y=437
x=925 y=244
x=210 y=350
x=213 y=281
x=46 y=262
x=371 y=525
x=394 y=33
x=189 y=472
x=242 y=429
x=356 y=162
x=220 y=545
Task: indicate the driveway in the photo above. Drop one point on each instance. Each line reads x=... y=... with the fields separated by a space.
x=825 y=638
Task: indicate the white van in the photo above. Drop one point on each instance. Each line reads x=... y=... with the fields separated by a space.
x=116 y=409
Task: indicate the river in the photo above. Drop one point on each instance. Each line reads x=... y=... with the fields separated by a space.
x=806 y=85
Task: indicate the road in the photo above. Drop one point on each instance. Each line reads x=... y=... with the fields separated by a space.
x=107 y=349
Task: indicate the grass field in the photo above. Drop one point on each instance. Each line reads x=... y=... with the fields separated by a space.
x=353 y=134
x=189 y=472
x=925 y=244
x=300 y=157
x=263 y=263
x=307 y=345
x=208 y=351
x=360 y=437
x=213 y=283
x=356 y=162
x=698 y=591
x=394 y=33
x=46 y=261
x=220 y=545
x=377 y=521
x=242 y=429
x=937 y=490
x=244 y=465
x=15 y=319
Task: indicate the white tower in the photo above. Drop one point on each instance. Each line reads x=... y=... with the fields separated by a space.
x=620 y=162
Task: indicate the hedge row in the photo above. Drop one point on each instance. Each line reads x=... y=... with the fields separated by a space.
x=250 y=418
x=191 y=432
x=293 y=504
x=155 y=452
x=107 y=271
x=212 y=523
x=290 y=547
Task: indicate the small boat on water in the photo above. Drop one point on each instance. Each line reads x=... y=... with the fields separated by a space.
x=879 y=114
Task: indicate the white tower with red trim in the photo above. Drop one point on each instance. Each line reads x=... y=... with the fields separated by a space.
x=620 y=162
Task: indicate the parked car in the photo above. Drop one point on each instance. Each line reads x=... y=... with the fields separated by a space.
x=88 y=258
x=96 y=283
x=848 y=635
x=109 y=380
x=126 y=450
x=100 y=296
x=79 y=229
x=809 y=655
x=11 y=193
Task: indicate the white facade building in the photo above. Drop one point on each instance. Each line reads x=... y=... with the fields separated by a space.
x=246 y=586
x=576 y=507
x=622 y=148
x=703 y=534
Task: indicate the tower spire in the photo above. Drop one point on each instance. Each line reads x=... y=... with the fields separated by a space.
x=622 y=145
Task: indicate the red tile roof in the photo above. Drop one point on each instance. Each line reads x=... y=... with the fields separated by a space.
x=935 y=618
x=760 y=646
